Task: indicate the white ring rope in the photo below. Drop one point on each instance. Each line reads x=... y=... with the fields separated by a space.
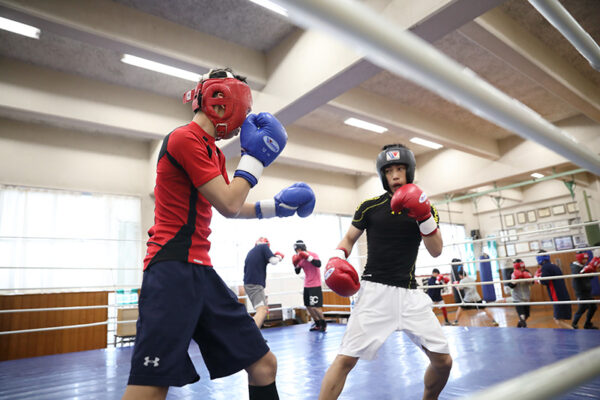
x=524 y=233
x=393 y=48
x=456 y=285
x=511 y=258
x=545 y=278
x=74 y=239
x=75 y=268
x=57 y=328
x=515 y=303
x=546 y=382
x=20 y=310
x=52 y=289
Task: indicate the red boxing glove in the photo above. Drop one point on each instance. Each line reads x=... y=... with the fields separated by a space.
x=526 y=275
x=305 y=256
x=341 y=277
x=411 y=198
x=280 y=255
x=296 y=259
x=441 y=279
x=517 y=274
x=592 y=266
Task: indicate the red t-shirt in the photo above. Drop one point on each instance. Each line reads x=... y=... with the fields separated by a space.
x=187 y=160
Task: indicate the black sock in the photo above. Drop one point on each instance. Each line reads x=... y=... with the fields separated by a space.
x=268 y=392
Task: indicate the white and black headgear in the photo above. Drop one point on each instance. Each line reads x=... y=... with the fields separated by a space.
x=396 y=154
x=299 y=245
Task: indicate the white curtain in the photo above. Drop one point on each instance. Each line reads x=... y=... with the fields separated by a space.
x=61 y=240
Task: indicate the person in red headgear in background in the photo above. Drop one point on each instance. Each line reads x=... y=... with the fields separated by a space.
x=255 y=276
x=182 y=297
x=521 y=291
x=389 y=300
x=583 y=287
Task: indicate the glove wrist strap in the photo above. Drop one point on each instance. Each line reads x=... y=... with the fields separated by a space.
x=265 y=209
x=251 y=166
x=341 y=253
x=428 y=226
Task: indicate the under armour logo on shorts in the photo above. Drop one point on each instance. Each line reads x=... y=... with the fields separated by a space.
x=154 y=362
x=313 y=300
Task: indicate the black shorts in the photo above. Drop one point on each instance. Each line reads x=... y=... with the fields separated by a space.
x=522 y=310
x=180 y=302
x=474 y=307
x=313 y=296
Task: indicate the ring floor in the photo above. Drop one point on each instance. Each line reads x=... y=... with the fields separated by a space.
x=483 y=356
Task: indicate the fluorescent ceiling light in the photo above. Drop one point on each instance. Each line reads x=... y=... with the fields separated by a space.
x=19 y=28
x=426 y=143
x=271 y=6
x=537 y=176
x=365 y=125
x=158 y=67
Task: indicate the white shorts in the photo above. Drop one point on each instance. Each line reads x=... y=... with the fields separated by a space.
x=380 y=310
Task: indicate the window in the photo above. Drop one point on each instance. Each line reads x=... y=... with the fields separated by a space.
x=53 y=239
x=451 y=233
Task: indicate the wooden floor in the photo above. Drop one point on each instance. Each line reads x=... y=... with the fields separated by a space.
x=506 y=316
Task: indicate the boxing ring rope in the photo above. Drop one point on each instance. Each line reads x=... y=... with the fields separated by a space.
x=564 y=22
x=511 y=257
x=546 y=382
x=347 y=307
x=341 y=306
x=401 y=52
x=525 y=233
x=512 y=304
x=75 y=268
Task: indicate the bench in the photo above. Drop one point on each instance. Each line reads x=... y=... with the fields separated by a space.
x=125 y=332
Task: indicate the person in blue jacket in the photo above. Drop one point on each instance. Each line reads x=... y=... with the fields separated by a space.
x=557 y=290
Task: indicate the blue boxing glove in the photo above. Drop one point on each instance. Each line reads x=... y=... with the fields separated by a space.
x=298 y=198
x=262 y=139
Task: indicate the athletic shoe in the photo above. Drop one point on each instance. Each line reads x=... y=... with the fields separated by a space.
x=521 y=324
x=448 y=323
x=314 y=327
x=455 y=322
x=494 y=323
x=589 y=325
x=574 y=325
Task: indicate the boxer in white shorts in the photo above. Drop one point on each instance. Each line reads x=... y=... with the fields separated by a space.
x=388 y=299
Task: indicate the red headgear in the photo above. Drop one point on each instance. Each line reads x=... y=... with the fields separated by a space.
x=582 y=257
x=519 y=265
x=263 y=240
x=236 y=97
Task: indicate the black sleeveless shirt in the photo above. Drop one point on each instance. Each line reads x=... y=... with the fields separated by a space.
x=392 y=242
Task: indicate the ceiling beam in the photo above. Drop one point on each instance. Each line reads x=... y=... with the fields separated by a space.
x=114 y=26
x=32 y=93
x=451 y=171
x=504 y=37
x=297 y=87
x=370 y=106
